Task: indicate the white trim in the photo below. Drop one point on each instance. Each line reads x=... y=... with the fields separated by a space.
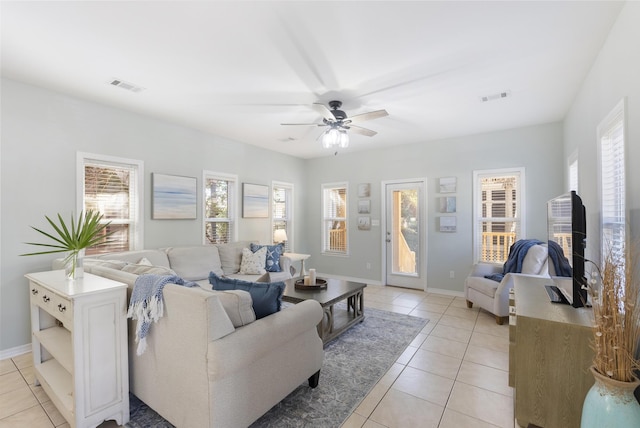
x=137 y=238
x=424 y=220
x=477 y=197
x=620 y=109
x=290 y=211
x=334 y=185
x=233 y=207
x=15 y=351
x=573 y=157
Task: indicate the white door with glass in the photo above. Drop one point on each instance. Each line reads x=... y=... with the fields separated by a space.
x=404 y=234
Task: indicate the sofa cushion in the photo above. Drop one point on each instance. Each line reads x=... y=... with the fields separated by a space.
x=253 y=263
x=274 y=252
x=156 y=257
x=194 y=263
x=231 y=256
x=266 y=296
x=140 y=269
x=238 y=305
x=535 y=260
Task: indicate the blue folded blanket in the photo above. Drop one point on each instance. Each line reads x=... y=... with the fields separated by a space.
x=517 y=253
x=146 y=303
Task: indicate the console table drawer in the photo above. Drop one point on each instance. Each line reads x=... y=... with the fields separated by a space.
x=57 y=306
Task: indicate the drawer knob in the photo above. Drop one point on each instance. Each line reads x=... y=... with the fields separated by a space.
x=61 y=308
x=46 y=298
x=34 y=291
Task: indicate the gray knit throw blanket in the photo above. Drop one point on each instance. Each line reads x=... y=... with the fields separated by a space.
x=146 y=304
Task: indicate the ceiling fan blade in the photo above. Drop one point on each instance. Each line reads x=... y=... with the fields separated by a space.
x=362 y=131
x=324 y=112
x=366 y=116
x=303 y=124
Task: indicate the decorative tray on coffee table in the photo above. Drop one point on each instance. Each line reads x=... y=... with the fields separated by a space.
x=320 y=284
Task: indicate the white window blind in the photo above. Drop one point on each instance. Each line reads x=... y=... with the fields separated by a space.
x=282 y=214
x=612 y=183
x=498 y=213
x=219 y=213
x=334 y=218
x=113 y=189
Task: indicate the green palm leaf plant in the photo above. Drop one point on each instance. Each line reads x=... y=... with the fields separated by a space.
x=74 y=237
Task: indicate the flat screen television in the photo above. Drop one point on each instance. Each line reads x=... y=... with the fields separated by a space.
x=567 y=231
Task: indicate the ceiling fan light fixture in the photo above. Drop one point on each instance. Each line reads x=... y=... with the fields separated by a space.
x=334 y=138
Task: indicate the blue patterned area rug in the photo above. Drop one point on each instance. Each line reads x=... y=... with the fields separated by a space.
x=353 y=363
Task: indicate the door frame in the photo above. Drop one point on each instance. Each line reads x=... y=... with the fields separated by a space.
x=423 y=221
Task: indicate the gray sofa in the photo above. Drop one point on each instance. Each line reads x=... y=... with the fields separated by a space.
x=208 y=362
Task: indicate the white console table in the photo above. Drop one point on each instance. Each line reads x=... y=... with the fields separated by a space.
x=79 y=345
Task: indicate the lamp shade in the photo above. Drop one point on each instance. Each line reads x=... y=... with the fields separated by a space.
x=280 y=235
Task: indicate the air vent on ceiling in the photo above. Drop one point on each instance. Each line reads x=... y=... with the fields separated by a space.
x=126 y=85
x=497 y=96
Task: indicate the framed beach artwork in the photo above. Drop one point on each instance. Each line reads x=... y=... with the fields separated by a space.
x=448 y=224
x=364 y=206
x=255 y=201
x=364 y=223
x=174 y=197
x=448 y=204
x=364 y=190
x=447 y=184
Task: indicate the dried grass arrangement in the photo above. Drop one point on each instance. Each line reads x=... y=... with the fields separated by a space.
x=616 y=310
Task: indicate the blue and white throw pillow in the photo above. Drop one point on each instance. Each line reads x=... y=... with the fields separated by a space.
x=274 y=252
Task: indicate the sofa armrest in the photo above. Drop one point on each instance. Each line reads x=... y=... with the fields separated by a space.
x=483 y=269
x=229 y=354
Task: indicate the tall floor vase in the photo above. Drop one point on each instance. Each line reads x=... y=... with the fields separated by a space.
x=610 y=404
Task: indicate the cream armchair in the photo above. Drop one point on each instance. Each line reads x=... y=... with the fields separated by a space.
x=493 y=296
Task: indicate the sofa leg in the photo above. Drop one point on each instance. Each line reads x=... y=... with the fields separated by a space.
x=314 y=380
x=469 y=304
x=500 y=320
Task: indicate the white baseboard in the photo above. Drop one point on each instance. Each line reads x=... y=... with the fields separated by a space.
x=445 y=292
x=14 y=352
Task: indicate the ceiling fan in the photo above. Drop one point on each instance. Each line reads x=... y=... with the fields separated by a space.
x=339 y=124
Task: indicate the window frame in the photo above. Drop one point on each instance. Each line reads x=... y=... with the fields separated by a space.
x=289 y=218
x=618 y=115
x=478 y=175
x=324 y=249
x=232 y=205
x=573 y=172
x=136 y=233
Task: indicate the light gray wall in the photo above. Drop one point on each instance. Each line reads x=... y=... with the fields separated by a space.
x=613 y=76
x=537 y=148
x=41 y=133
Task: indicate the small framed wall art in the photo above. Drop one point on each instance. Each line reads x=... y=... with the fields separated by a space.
x=447 y=184
x=448 y=224
x=255 y=201
x=174 y=197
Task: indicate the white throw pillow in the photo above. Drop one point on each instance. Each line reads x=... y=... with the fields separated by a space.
x=253 y=263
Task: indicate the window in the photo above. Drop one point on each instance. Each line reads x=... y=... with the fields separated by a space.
x=611 y=136
x=113 y=186
x=282 y=215
x=498 y=213
x=220 y=219
x=573 y=172
x=334 y=218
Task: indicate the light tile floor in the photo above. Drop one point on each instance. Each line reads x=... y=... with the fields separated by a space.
x=453 y=375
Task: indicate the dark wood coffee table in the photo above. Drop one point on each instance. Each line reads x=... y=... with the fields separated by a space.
x=335 y=320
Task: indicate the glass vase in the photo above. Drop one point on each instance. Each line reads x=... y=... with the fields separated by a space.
x=610 y=404
x=74 y=265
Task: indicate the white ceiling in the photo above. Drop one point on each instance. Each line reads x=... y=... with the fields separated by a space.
x=240 y=69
